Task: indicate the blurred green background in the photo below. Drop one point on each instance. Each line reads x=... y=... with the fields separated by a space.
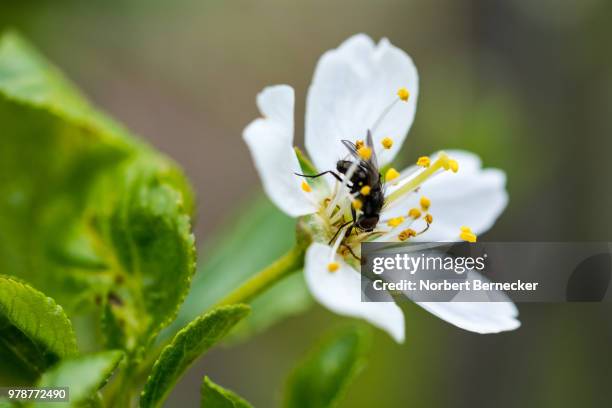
x=526 y=84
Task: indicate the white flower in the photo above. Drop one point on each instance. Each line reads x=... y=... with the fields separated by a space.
x=363 y=87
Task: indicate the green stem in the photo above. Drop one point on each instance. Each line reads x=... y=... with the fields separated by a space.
x=267 y=277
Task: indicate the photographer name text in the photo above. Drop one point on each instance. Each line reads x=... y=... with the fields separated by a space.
x=448 y=285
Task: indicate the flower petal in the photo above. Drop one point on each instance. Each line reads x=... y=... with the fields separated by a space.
x=351 y=87
x=480 y=317
x=340 y=292
x=483 y=318
x=472 y=197
x=270 y=140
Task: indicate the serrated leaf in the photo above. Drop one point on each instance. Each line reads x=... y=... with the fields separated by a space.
x=33 y=327
x=188 y=344
x=152 y=250
x=215 y=396
x=220 y=270
x=87 y=211
x=321 y=379
x=83 y=375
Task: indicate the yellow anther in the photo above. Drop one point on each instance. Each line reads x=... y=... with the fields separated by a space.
x=364 y=152
x=403 y=94
x=428 y=218
x=333 y=266
x=306 y=187
x=466 y=234
x=414 y=213
x=442 y=161
x=391 y=174
x=449 y=164
x=387 y=142
x=407 y=233
x=365 y=190
x=394 y=222
x=357 y=204
x=359 y=144
x=423 y=161
x=425 y=203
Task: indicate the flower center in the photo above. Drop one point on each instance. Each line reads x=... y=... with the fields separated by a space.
x=346 y=213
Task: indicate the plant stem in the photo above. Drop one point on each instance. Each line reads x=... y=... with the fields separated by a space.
x=267 y=277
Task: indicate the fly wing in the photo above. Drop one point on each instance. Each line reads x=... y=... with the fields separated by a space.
x=351 y=148
x=372 y=164
x=373 y=160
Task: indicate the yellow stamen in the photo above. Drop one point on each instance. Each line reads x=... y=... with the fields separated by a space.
x=415 y=182
x=394 y=222
x=359 y=144
x=450 y=164
x=364 y=152
x=306 y=187
x=403 y=94
x=414 y=213
x=365 y=190
x=407 y=233
x=357 y=204
x=387 y=142
x=391 y=174
x=423 y=161
x=466 y=234
x=425 y=203
x=333 y=266
x=428 y=218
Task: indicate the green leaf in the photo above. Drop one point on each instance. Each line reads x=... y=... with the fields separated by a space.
x=322 y=378
x=33 y=328
x=188 y=344
x=83 y=375
x=215 y=396
x=220 y=270
x=13 y=370
x=87 y=211
x=151 y=249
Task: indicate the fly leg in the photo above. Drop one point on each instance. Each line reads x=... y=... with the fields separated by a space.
x=351 y=252
x=337 y=177
x=354 y=214
x=337 y=232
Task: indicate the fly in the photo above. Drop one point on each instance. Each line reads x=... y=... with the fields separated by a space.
x=365 y=185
